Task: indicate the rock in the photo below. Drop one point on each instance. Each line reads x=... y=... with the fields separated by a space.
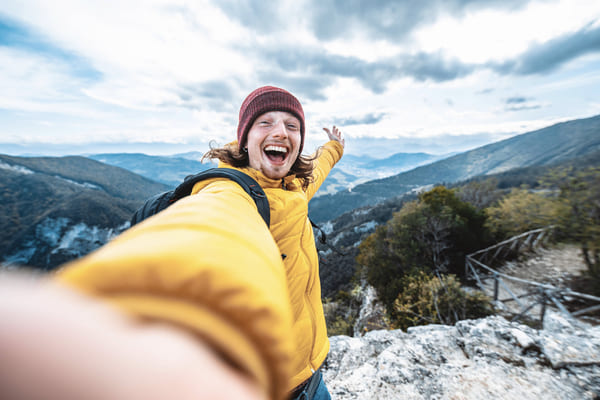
x=569 y=342
x=488 y=358
x=372 y=313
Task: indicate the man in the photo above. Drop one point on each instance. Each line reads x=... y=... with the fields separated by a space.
x=217 y=305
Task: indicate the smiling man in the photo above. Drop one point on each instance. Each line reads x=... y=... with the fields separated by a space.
x=270 y=135
x=205 y=300
x=209 y=299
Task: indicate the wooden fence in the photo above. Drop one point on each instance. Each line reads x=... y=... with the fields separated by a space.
x=535 y=294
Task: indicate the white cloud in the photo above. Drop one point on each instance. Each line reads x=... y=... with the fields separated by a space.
x=176 y=71
x=497 y=35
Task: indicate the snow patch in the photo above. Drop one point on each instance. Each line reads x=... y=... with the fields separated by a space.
x=50 y=230
x=365 y=227
x=327 y=227
x=360 y=211
x=59 y=236
x=421 y=189
x=15 y=168
x=82 y=184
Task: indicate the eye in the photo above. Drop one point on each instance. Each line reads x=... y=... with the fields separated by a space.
x=292 y=124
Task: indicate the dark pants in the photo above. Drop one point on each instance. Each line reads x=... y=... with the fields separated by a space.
x=321 y=392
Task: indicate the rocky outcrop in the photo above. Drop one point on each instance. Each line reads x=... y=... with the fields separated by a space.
x=489 y=358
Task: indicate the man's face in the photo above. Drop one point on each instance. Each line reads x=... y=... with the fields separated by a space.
x=273 y=143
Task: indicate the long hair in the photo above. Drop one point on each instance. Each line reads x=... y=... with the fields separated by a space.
x=229 y=154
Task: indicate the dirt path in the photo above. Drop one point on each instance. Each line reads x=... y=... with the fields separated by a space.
x=557 y=266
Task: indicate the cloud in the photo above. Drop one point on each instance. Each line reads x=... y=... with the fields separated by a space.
x=390 y=19
x=523 y=107
x=516 y=100
x=333 y=19
x=318 y=69
x=367 y=119
x=217 y=95
x=520 y=103
x=17 y=36
x=548 y=56
x=438 y=144
x=261 y=16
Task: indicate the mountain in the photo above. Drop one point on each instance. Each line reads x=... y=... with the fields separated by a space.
x=489 y=358
x=164 y=169
x=57 y=209
x=352 y=170
x=542 y=147
x=190 y=155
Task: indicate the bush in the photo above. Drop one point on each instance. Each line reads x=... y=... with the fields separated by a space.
x=428 y=299
x=341 y=313
x=521 y=211
x=580 y=195
x=431 y=234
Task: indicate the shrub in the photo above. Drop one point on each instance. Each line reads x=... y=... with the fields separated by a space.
x=429 y=299
x=431 y=234
x=521 y=211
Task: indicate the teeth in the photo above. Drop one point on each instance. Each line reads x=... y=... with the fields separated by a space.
x=276 y=148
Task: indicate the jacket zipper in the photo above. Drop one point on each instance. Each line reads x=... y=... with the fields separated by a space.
x=310 y=309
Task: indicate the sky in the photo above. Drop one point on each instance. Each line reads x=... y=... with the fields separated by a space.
x=165 y=77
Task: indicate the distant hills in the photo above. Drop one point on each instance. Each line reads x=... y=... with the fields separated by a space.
x=170 y=170
x=350 y=171
x=545 y=146
x=353 y=170
x=56 y=209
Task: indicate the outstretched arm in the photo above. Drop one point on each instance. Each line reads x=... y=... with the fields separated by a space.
x=204 y=290
x=57 y=344
x=328 y=155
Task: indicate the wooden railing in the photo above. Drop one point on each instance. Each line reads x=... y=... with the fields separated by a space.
x=536 y=294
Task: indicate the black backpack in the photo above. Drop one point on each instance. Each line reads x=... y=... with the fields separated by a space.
x=163 y=200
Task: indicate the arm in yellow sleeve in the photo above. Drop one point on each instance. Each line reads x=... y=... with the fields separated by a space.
x=209 y=265
x=329 y=155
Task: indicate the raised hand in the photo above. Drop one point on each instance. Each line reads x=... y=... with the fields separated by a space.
x=335 y=134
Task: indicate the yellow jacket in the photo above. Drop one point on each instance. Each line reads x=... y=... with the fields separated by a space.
x=209 y=264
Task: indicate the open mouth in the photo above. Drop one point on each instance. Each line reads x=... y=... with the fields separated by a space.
x=276 y=154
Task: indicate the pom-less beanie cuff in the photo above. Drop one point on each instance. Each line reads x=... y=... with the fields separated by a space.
x=265 y=99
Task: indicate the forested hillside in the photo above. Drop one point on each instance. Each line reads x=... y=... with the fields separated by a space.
x=56 y=209
x=546 y=146
x=396 y=244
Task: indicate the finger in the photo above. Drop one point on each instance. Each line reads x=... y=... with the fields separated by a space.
x=327 y=130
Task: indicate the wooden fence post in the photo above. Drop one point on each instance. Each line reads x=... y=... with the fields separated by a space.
x=543 y=311
x=496 y=287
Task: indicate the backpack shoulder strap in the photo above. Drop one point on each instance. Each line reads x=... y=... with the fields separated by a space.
x=246 y=182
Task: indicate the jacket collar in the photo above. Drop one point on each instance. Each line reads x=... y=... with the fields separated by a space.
x=264 y=181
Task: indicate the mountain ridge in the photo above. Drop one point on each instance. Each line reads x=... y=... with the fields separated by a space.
x=55 y=209
x=540 y=147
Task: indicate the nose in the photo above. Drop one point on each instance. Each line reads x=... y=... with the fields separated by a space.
x=280 y=130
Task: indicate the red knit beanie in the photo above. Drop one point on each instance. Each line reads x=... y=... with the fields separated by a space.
x=265 y=99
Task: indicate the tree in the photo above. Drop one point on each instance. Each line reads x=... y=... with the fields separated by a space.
x=433 y=233
x=580 y=194
x=429 y=299
x=480 y=194
x=521 y=211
